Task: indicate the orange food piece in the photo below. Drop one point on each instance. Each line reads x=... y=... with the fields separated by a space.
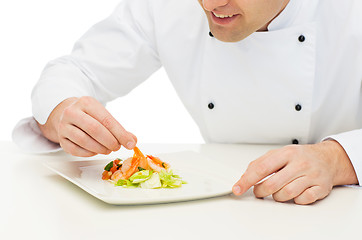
x=106 y=175
x=115 y=165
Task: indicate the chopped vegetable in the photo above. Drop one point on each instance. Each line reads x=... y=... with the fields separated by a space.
x=150 y=179
x=125 y=183
x=153 y=182
x=141 y=176
x=106 y=175
x=108 y=166
x=168 y=179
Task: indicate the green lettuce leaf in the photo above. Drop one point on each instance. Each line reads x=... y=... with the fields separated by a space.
x=108 y=166
x=150 y=179
x=168 y=179
x=153 y=182
x=126 y=183
x=141 y=176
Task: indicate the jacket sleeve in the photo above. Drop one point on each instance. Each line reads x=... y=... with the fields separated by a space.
x=110 y=60
x=351 y=143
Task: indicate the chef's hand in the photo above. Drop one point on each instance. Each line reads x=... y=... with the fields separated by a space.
x=84 y=128
x=304 y=173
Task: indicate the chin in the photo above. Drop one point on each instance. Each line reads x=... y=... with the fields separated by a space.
x=225 y=37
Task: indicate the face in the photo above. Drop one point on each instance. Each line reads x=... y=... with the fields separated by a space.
x=234 y=20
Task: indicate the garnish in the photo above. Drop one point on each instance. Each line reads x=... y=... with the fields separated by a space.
x=141 y=171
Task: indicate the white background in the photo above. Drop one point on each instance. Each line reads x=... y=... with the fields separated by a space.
x=35 y=32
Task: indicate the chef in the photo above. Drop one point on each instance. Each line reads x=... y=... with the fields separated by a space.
x=262 y=72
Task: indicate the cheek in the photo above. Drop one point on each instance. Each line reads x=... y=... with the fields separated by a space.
x=200 y=2
x=203 y=2
x=257 y=13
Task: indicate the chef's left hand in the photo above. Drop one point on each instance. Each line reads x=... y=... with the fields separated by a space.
x=304 y=173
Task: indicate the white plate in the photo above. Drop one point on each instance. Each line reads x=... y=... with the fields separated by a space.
x=205 y=179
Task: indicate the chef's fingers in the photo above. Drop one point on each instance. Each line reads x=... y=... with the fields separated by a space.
x=292 y=190
x=311 y=195
x=258 y=170
x=83 y=140
x=95 y=109
x=134 y=137
x=74 y=115
x=96 y=130
x=73 y=149
x=276 y=181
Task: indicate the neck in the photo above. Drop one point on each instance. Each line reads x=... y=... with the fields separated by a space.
x=265 y=27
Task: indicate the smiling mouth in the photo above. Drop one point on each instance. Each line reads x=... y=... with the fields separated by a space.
x=222 y=19
x=223 y=16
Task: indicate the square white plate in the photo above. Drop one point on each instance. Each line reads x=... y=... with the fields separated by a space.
x=205 y=179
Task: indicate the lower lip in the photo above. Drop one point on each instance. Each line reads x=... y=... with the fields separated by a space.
x=223 y=21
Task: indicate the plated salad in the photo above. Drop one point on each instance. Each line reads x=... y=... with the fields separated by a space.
x=141 y=171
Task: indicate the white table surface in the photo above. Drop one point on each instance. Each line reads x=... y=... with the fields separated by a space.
x=38 y=204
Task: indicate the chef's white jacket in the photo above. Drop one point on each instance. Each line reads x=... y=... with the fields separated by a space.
x=298 y=82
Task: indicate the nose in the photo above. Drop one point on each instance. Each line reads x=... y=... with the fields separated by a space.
x=210 y=5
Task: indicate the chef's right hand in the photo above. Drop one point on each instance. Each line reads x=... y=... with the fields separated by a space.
x=83 y=127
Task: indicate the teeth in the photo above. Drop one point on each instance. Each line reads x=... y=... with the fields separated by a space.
x=221 y=16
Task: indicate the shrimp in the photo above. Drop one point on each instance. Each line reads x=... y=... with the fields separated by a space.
x=129 y=167
x=150 y=162
x=143 y=159
x=137 y=152
x=132 y=164
x=156 y=164
x=116 y=175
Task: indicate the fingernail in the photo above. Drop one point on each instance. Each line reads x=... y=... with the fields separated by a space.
x=130 y=145
x=236 y=190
